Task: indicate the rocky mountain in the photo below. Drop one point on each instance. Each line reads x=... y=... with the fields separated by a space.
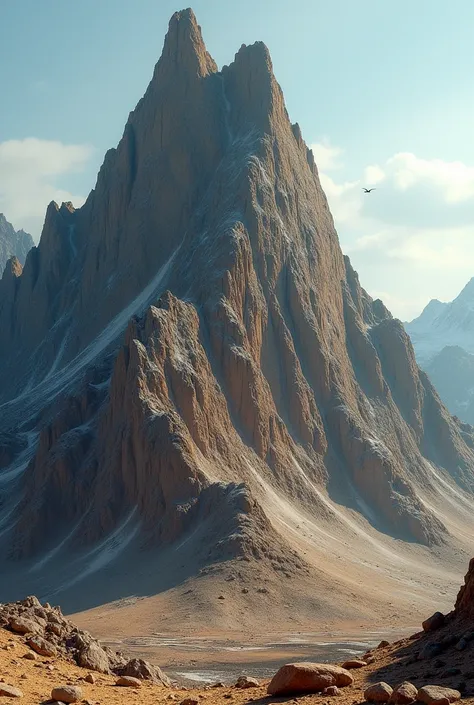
x=196 y=392
x=452 y=372
x=443 y=338
x=13 y=243
x=441 y=324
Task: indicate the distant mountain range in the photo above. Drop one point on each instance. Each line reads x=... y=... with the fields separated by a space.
x=443 y=338
x=13 y=243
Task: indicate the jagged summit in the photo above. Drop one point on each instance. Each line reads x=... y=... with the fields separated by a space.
x=12 y=243
x=13 y=268
x=193 y=379
x=184 y=46
x=467 y=293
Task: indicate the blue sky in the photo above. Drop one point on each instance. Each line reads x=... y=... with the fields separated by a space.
x=382 y=89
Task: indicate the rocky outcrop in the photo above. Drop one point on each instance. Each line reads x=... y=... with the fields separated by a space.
x=190 y=354
x=465 y=600
x=48 y=633
x=13 y=244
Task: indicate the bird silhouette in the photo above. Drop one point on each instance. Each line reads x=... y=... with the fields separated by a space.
x=368 y=190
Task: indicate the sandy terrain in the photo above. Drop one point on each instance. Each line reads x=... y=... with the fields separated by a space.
x=37 y=678
x=384 y=585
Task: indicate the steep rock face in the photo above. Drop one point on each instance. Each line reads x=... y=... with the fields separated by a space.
x=13 y=243
x=190 y=355
x=465 y=600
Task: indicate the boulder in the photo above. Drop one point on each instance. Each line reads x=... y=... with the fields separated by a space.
x=31 y=656
x=138 y=668
x=430 y=651
x=331 y=690
x=56 y=629
x=247 y=682
x=24 y=625
x=404 y=694
x=378 y=693
x=9 y=691
x=303 y=677
x=90 y=678
x=354 y=663
x=437 y=695
x=450 y=672
x=94 y=658
x=128 y=682
x=434 y=622
x=41 y=646
x=32 y=602
x=67 y=694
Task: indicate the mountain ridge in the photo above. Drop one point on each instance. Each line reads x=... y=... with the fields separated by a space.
x=444 y=347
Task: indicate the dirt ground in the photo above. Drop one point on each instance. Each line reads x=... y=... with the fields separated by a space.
x=393 y=664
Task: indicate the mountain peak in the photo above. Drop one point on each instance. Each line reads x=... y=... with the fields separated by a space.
x=13 y=268
x=184 y=46
x=12 y=243
x=253 y=90
x=431 y=311
x=467 y=293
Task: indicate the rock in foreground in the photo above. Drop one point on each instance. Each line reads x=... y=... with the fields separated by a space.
x=437 y=695
x=404 y=694
x=9 y=691
x=378 y=693
x=247 y=682
x=436 y=621
x=128 y=682
x=138 y=668
x=354 y=663
x=295 y=678
x=66 y=694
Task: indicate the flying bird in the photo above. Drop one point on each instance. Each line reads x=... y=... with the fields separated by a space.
x=368 y=190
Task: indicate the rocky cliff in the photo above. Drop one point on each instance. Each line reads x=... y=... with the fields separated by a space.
x=13 y=243
x=189 y=364
x=465 y=600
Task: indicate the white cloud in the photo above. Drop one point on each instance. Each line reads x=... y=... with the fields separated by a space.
x=412 y=239
x=29 y=175
x=373 y=174
x=326 y=156
x=454 y=180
